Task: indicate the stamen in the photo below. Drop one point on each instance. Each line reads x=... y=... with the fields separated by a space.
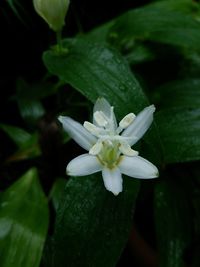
x=96 y=148
x=123 y=138
x=100 y=118
x=126 y=121
x=127 y=150
x=112 y=120
x=108 y=142
x=92 y=128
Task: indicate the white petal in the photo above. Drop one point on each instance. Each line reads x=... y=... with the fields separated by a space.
x=113 y=120
x=140 y=125
x=112 y=179
x=103 y=105
x=83 y=165
x=77 y=132
x=138 y=167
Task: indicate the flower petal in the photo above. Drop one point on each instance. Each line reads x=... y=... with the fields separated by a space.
x=103 y=105
x=77 y=132
x=112 y=180
x=140 y=125
x=83 y=165
x=138 y=167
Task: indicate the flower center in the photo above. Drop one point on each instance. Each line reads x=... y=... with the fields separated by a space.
x=110 y=145
x=109 y=155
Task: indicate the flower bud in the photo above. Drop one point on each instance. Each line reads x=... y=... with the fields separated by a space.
x=52 y=11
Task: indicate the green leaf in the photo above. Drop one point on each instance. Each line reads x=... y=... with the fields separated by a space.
x=179 y=120
x=180 y=93
x=172 y=215
x=105 y=32
x=92 y=225
x=185 y=6
x=179 y=129
x=158 y=23
x=97 y=70
x=100 y=33
x=139 y=54
x=57 y=192
x=196 y=217
x=23 y=222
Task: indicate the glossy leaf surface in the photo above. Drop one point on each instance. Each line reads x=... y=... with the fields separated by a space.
x=97 y=70
x=92 y=225
x=172 y=214
x=23 y=222
x=161 y=23
x=179 y=129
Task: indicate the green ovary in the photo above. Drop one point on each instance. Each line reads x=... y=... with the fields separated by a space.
x=110 y=155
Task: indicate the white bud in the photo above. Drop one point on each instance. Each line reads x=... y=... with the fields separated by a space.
x=52 y=11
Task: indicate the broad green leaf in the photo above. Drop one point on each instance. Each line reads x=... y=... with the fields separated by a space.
x=57 y=191
x=92 y=224
x=172 y=215
x=100 y=33
x=98 y=70
x=23 y=222
x=185 y=6
x=139 y=54
x=103 y=33
x=180 y=93
x=179 y=129
x=190 y=67
x=158 y=23
x=193 y=190
x=179 y=120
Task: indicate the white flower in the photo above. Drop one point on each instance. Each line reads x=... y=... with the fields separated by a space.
x=109 y=151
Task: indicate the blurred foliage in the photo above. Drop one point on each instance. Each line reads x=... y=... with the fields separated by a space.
x=145 y=52
x=23 y=205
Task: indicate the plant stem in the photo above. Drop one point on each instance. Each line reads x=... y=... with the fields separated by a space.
x=59 y=40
